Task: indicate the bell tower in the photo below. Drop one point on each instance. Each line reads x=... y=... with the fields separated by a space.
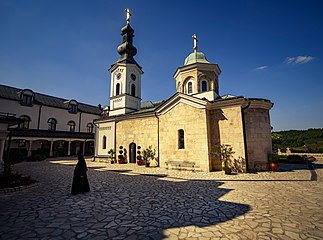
x=198 y=77
x=125 y=90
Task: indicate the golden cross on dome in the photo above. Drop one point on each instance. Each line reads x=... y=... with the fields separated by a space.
x=128 y=15
x=195 y=42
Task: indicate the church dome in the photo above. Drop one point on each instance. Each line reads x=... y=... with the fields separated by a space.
x=195 y=57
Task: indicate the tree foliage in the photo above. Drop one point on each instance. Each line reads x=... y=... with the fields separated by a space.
x=310 y=140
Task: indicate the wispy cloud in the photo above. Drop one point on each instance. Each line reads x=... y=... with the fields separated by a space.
x=298 y=60
x=261 y=68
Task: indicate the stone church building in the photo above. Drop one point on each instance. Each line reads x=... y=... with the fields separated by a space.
x=187 y=127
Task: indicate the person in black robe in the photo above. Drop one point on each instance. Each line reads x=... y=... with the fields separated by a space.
x=80 y=182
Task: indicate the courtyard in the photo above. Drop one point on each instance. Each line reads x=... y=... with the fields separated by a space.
x=131 y=202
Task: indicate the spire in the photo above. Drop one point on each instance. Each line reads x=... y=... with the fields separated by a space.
x=126 y=49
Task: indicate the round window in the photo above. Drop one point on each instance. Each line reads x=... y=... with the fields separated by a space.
x=133 y=76
x=118 y=76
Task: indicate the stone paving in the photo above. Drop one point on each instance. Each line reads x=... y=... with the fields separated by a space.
x=131 y=202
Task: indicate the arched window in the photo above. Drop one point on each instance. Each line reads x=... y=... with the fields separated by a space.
x=181 y=144
x=204 y=87
x=104 y=142
x=118 y=89
x=89 y=127
x=52 y=124
x=25 y=123
x=71 y=126
x=133 y=90
x=190 y=88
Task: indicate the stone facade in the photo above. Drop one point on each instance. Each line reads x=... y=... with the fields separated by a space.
x=193 y=121
x=188 y=128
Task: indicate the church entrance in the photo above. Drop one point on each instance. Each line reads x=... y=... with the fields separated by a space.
x=132 y=151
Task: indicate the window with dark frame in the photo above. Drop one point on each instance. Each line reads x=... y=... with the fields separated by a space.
x=25 y=123
x=52 y=124
x=72 y=108
x=90 y=128
x=71 y=125
x=181 y=144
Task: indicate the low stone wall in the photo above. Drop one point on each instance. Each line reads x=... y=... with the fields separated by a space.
x=318 y=156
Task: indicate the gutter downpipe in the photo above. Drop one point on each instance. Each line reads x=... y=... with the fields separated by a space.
x=39 y=116
x=157 y=138
x=244 y=134
x=80 y=119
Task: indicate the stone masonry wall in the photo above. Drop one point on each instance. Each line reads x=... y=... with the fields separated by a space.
x=231 y=131
x=193 y=121
x=258 y=134
x=213 y=117
x=143 y=132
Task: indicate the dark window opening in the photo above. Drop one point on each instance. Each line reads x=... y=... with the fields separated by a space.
x=133 y=90
x=118 y=89
x=181 y=144
x=104 y=142
x=189 y=87
x=204 y=86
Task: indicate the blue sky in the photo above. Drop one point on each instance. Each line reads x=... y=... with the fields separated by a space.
x=265 y=49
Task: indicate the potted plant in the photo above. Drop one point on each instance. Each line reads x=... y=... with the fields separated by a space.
x=111 y=155
x=120 y=156
x=139 y=157
x=148 y=155
x=273 y=162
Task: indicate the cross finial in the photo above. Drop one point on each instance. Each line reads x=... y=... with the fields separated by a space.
x=195 y=42
x=128 y=15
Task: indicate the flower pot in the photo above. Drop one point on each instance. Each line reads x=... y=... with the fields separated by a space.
x=139 y=162
x=147 y=164
x=274 y=167
x=120 y=160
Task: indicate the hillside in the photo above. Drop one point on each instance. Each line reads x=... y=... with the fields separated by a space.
x=310 y=140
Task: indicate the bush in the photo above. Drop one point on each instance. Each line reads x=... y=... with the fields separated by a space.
x=273 y=158
x=17 y=155
x=37 y=157
x=294 y=159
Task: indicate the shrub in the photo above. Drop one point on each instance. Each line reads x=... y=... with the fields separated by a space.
x=37 y=157
x=17 y=155
x=296 y=159
x=273 y=158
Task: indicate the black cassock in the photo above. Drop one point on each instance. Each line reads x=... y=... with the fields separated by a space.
x=80 y=183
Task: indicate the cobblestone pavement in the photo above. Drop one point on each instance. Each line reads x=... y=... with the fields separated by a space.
x=131 y=202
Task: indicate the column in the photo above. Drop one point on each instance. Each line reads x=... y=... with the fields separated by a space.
x=69 y=149
x=84 y=147
x=29 y=149
x=51 y=148
x=2 y=142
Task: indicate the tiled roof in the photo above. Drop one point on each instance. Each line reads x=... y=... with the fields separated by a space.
x=42 y=99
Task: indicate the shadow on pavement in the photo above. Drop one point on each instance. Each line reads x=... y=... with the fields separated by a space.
x=119 y=206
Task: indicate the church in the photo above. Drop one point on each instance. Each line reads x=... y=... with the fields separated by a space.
x=188 y=127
